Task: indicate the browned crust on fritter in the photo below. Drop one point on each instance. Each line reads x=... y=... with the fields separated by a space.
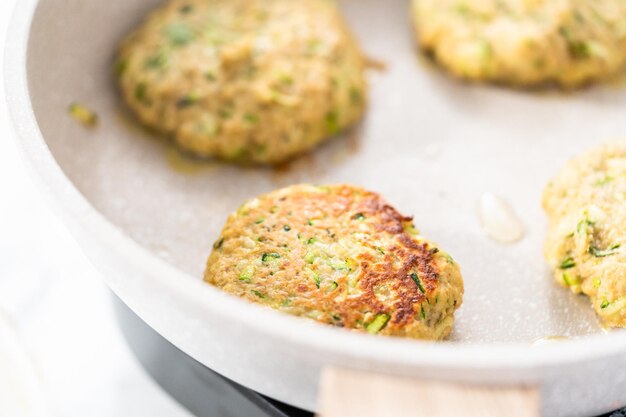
x=414 y=255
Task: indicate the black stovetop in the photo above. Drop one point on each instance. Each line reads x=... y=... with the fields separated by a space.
x=201 y=390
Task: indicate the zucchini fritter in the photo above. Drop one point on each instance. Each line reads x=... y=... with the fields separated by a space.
x=586 y=244
x=251 y=81
x=525 y=42
x=340 y=255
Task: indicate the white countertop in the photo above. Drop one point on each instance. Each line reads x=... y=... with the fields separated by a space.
x=60 y=309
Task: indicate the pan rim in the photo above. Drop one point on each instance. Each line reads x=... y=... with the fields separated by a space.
x=73 y=207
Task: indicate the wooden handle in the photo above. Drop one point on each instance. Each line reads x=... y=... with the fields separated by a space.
x=347 y=393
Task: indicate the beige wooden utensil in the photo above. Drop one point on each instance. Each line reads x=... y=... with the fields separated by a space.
x=346 y=393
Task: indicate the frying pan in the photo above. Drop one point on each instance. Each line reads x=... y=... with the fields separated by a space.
x=147 y=216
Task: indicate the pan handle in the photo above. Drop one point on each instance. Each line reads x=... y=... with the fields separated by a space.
x=347 y=393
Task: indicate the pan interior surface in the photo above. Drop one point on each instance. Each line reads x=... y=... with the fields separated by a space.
x=431 y=145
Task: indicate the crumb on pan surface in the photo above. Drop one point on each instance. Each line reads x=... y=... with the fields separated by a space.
x=340 y=255
x=525 y=42
x=586 y=243
x=251 y=81
x=83 y=114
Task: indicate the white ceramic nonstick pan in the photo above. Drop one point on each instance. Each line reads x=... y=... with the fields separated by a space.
x=430 y=145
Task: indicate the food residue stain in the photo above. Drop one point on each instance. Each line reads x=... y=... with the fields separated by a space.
x=375 y=64
x=176 y=159
x=290 y=171
x=498 y=220
x=348 y=144
x=186 y=164
x=427 y=61
x=337 y=150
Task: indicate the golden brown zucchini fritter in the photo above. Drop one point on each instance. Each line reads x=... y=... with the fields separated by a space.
x=340 y=255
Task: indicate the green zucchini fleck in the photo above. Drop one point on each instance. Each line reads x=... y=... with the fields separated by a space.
x=332 y=123
x=186 y=9
x=218 y=244
x=579 y=49
x=226 y=112
x=347 y=265
x=157 y=61
x=486 y=51
x=418 y=282
x=568 y=263
x=309 y=257
x=317 y=280
x=268 y=256
x=570 y=280
x=603 y=181
x=285 y=79
x=120 y=67
x=463 y=10
x=422 y=312
x=581 y=228
x=258 y=294
x=579 y=17
x=314 y=46
x=188 y=100
x=356 y=98
x=410 y=229
x=251 y=118
x=179 y=34
x=141 y=93
x=601 y=253
x=246 y=274
x=376 y=325
x=358 y=216
x=605 y=304
x=286 y=228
